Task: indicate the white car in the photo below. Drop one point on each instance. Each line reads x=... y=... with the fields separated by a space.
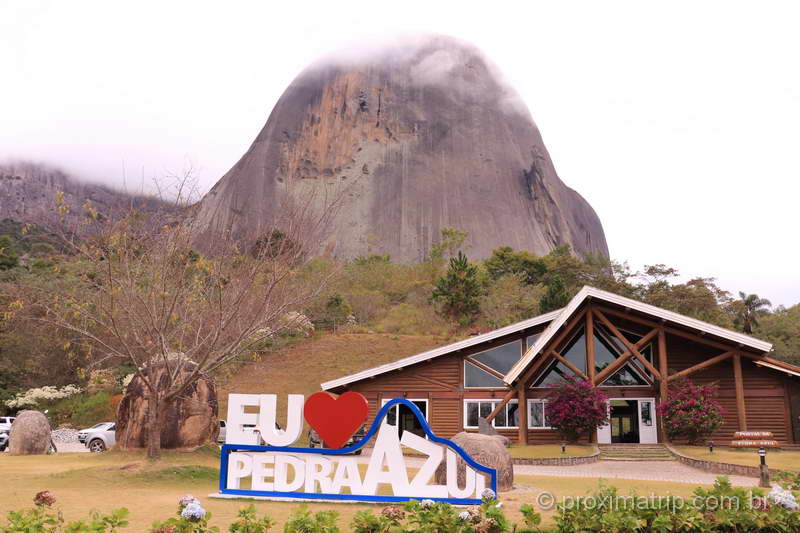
x=99 y=437
x=5 y=422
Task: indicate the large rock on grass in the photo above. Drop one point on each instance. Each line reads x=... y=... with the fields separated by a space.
x=189 y=422
x=486 y=450
x=30 y=434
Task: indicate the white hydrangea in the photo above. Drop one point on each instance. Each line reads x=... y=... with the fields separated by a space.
x=32 y=397
x=488 y=494
x=784 y=498
x=464 y=515
x=426 y=503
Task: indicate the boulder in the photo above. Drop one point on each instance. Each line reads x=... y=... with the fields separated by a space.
x=486 y=428
x=189 y=422
x=30 y=434
x=486 y=450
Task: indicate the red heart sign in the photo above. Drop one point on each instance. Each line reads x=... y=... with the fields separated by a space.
x=336 y=419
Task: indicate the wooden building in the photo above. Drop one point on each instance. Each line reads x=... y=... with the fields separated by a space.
x=631 y=350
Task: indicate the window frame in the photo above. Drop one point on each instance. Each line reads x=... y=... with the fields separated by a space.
x=542 y=401
x=465 y=362
x=494 y=403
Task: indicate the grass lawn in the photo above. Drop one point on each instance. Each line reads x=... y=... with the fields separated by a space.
x=85 y=482
x=543 y=451
x=779 y=459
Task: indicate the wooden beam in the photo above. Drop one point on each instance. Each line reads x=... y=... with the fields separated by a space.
x=741 y=408
x=662 y=364
x=700 y=366
x=485 y=368
x=509 y=395
x=631 y=348
x=522 y=415
x=613 y=367
x=590 y=355
x=696 y=337
x=560 y=358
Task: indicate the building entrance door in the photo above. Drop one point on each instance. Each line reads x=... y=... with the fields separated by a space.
x=624 y=421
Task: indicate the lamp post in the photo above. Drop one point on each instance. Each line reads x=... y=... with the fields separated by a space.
x=711 y=446
x=764 y=482
x=563 y=447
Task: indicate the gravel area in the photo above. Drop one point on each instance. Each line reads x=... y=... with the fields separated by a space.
x=643 y=470
x=64 y=435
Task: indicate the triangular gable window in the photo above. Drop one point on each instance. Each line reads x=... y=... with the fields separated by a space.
x=501 y=358
x=624 y=377
x=554 y=374
x=477 y=377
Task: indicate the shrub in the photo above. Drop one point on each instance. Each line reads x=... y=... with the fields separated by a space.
x=691 y=412
x=37 y=396
x=82 y=410
x=248 y=522
x=304 y=521
x=44 y=519
x=575 y=408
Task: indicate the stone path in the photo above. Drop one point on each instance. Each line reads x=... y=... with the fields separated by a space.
x=642 y=470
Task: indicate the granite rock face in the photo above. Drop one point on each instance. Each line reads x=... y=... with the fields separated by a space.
x=30 y=434
x=188 y=422
x=410 y=139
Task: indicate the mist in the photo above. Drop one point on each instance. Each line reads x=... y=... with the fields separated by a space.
x=676 y=122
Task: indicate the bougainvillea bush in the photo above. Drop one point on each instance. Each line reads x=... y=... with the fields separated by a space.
x=692 y=412
x=575 y=408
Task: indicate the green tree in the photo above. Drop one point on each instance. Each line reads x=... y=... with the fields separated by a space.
x=782 y=329
x=750 y=308
x=556 y=296
x=459 y=290
x=8 y=253
x=452 y=240
x=504 y=261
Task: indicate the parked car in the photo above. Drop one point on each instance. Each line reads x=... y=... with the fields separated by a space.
x=99 y=437
x=3 y=439
x=314 y=440
x=5 y=422
x=84 y=432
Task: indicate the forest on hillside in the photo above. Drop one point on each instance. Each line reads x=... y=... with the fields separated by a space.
x=446 y=295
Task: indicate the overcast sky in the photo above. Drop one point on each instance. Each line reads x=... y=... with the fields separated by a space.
x=678 y=123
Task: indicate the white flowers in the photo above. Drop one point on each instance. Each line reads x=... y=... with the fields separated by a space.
x=426 y=503
x=488 y=494
x=464 y=515
x=193 y=511
x=32 y=397
x=127 y=381
x=784 y=498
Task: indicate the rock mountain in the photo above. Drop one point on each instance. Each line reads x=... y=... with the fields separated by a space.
x=413 y=138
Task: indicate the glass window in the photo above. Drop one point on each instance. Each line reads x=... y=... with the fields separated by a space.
x=506 y=418
x=531 y=339
x=536 y=414
x=501 y=358
x=625 y=377
x=575 y=351
x=477 y=377
x=472 y=414
x=647 y=416
x=555 y=373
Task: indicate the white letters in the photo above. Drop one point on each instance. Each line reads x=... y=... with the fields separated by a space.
x=240 y=465
x=237 y=418
x=282 y=473
x=420 y=484
x=314 y=473
x=267 y=420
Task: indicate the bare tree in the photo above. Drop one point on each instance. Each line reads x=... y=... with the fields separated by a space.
x=169 y=297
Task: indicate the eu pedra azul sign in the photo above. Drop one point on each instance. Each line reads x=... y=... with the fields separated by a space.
x=259 y=460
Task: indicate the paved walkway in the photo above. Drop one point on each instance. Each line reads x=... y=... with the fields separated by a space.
x=643 y=470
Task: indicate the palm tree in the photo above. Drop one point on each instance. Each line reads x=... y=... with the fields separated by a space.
x=751 y=307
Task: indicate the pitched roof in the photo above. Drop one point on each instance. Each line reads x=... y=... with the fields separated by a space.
x=443 y=350
x=669 y=316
